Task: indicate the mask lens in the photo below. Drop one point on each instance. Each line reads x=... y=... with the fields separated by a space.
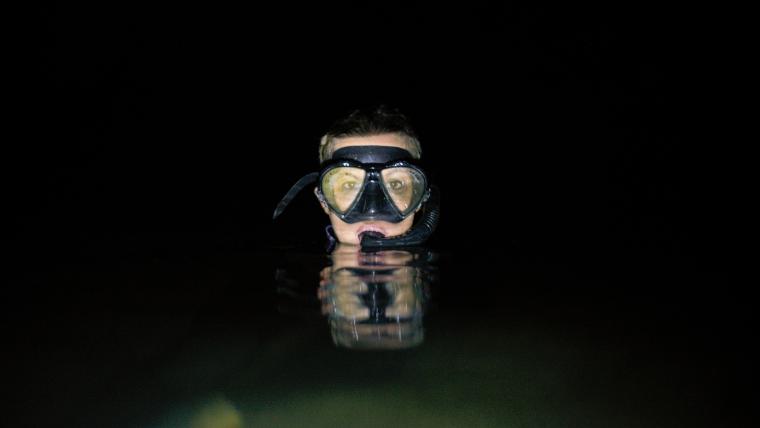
x=341 y=186
x=405 y=186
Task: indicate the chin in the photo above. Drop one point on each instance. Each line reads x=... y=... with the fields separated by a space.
x=351 y=239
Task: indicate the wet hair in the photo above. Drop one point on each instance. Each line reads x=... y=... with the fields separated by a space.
x=365 y=123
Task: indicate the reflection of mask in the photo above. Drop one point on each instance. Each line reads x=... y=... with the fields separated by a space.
x=375 y=296
x=401 y=335
x=375 y=305
x=363 y=183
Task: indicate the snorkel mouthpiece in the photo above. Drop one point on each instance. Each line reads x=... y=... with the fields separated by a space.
x=371 y=235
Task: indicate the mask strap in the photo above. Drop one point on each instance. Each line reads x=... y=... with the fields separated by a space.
x=300 y=184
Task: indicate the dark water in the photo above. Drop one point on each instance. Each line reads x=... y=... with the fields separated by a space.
x=420 y=338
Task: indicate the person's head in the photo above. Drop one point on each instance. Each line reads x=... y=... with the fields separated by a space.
x=379 y=136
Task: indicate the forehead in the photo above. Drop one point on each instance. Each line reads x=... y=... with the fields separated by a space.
x=388 y=140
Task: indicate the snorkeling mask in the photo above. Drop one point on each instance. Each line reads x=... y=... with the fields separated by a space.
x=364 y=183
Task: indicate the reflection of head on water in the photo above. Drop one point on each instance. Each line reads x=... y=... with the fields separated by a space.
x=375 y=300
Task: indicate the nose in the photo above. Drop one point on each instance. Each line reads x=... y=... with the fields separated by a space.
x=372 y=202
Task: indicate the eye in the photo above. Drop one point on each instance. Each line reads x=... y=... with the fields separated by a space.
x=396 y=184
x=348 y=185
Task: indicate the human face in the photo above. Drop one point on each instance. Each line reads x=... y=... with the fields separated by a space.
x=349 y=233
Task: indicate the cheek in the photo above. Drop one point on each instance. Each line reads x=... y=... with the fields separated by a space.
x=345 y=232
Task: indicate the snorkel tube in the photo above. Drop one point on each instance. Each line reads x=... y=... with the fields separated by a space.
x=418 y=234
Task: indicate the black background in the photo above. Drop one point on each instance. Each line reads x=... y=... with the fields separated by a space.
x=576 y=131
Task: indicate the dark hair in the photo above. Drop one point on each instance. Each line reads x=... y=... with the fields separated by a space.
x=362 y=123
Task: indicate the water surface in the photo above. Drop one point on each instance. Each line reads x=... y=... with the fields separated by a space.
x=401 y=338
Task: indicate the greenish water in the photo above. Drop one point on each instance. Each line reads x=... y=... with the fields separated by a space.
x=246 y=341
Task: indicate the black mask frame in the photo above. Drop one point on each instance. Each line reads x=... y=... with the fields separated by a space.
x=371 y=204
